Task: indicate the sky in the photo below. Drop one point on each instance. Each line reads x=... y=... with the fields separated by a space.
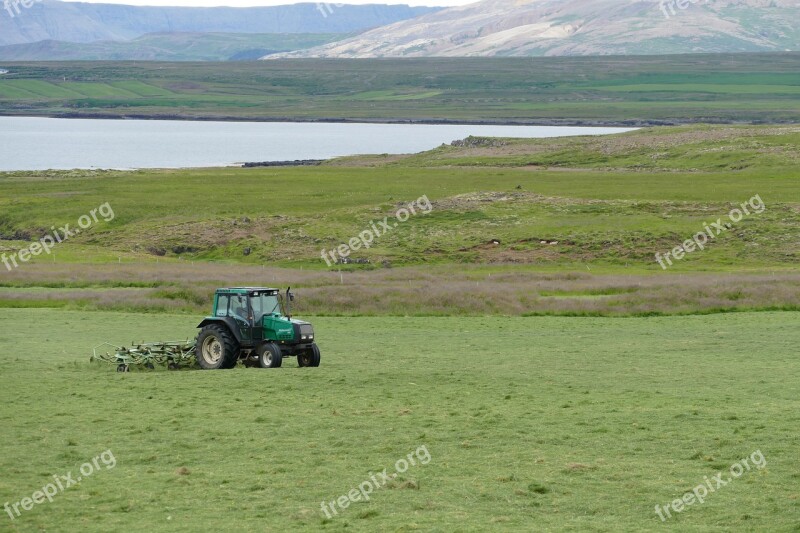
x=253 y=3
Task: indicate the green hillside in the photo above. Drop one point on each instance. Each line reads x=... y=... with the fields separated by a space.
x=565 y=226
x=565 y=90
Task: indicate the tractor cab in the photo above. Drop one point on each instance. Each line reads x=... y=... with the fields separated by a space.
x=248 y=308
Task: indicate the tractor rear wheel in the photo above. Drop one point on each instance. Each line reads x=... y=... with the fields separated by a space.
x=310 y=357
x=270 y=356
x=216 y=348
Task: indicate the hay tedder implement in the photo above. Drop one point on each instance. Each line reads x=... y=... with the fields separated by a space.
x=248 y=325
x=148 y=355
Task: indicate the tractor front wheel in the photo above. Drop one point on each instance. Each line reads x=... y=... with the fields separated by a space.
x=270 y=356
x=216 y=348
x=310 y=357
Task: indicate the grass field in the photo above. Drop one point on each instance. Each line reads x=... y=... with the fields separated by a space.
x=531 y=423
x=609 y=90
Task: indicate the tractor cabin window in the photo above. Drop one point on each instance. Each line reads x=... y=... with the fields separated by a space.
x=265 y=304
x=222 y=305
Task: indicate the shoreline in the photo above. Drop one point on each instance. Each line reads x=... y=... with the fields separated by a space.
x=570 y=122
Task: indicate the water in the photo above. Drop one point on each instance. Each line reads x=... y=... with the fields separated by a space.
x=47 y=143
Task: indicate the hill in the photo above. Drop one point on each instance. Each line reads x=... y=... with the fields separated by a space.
x=169 y=47
x=84 y=22
x=578 y=27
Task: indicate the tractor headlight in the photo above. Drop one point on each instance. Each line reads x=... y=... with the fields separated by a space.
x=306 y=332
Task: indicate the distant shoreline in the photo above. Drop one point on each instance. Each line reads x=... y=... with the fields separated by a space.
x=584 y=123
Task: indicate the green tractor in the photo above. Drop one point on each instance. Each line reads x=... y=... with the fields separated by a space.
x=254 y=325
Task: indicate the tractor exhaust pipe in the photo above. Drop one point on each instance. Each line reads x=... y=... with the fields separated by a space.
x=289 y=298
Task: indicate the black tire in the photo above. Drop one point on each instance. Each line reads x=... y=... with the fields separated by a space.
x=216 y=348
x=310 y=357
x=270 y=356
x=173 y=366
x=149 y=366
x=123 y=368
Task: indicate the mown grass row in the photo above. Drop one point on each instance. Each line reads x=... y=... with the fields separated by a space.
x=429 y=291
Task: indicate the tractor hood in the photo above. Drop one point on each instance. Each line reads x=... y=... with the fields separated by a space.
x=285 y=330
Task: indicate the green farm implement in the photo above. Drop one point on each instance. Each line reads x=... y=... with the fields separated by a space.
x=251 y=325
x=173 y=354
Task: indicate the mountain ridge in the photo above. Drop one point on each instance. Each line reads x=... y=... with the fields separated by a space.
x=79 y=22
x=577 y=27
x=170 y=47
